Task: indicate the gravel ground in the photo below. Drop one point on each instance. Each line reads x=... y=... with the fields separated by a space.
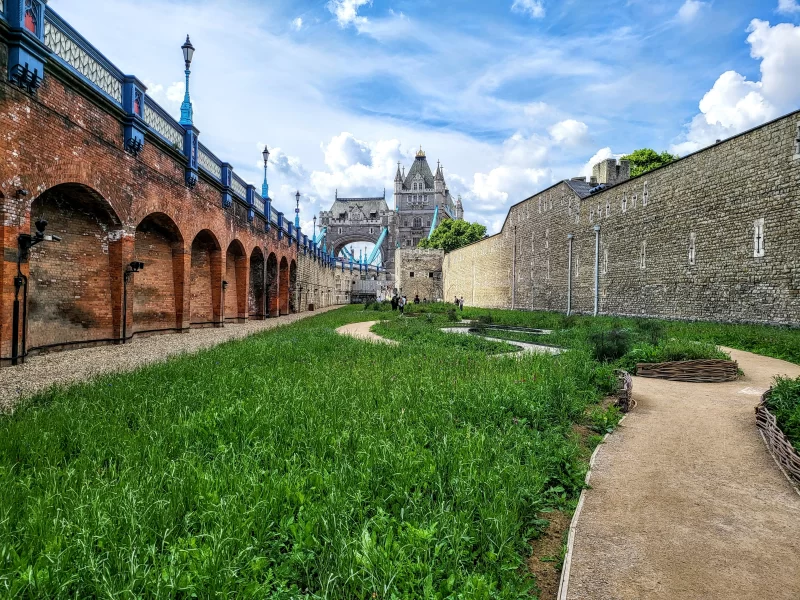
x=40 y=372
x=362 y=331
x=686 y=501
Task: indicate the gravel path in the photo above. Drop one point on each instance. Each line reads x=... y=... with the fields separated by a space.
x=362 y=331
x=40 y=372
x=685 y=500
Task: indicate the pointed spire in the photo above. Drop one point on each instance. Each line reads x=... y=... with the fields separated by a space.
x=398 y=177
x=439 y=174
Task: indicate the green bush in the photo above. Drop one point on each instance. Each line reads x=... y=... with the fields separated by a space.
x=451 y=315
x=669 y=351
x=608 y=346
x=784 y=403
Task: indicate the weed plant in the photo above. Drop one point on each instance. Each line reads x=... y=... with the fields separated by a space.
x=296 y=464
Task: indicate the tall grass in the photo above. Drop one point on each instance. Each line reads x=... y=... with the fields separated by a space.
x=784 y=403
x=294 y=464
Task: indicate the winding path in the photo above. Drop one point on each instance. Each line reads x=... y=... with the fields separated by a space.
x=685 y=500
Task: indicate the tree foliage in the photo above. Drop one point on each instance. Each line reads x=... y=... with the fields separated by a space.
x=451 y=235
x=647 y=159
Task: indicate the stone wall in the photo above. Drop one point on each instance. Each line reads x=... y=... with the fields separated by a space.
x=418 y=272
x=480 y=272
x=717 y=204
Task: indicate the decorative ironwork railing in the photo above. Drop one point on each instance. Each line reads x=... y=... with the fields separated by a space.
x=209 y=162
x=160 y=122
x=238 y=187
x=258 y=203
x=70 y=47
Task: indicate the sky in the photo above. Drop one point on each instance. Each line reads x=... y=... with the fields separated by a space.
x=511 y=95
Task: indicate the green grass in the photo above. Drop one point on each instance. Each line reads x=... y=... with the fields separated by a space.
x=777 y=342
x=784 y=403
x=297 y=464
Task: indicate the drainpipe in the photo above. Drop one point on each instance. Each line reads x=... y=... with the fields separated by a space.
x=514 y=273
x=596 y=270
x=570 y=236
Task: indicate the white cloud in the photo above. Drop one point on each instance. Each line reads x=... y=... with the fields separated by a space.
x=788 y=6
x=346 y=11
x=569 y=132
x=735 y=104
x=297 y=24
x=533 y=8
x=690 y=9
x=176 y=91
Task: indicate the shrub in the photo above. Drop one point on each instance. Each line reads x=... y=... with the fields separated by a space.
x=670 y=351
x=451 y=315
x=651 y=330
x=485 y=319
x=784 y=403
x=611 y=345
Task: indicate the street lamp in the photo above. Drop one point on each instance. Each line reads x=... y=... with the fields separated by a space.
x=315 y=228
x=297 y=210
x=186 y=107
x=132 y=268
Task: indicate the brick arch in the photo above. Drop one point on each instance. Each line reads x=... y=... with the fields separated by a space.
x=86 y=174
x=283 y=286
x=75 y=285
x=294 y=300
x=272 y=285
x=205 y=280
x=157 y=291
x=256 y=292
x=236 y=274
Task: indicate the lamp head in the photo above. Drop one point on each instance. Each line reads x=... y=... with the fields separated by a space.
x=188 y=52
x=41 y=225
x=265 y=154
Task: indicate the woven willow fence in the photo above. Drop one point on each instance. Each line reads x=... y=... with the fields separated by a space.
x=779 y=445
x=695 y=371
x=625 y=400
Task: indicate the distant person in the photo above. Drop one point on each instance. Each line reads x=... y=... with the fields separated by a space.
x=456 y=301
x=461 y=303
x=394 y=302
x=416 y=299
x=402 y=305
x=424 y=300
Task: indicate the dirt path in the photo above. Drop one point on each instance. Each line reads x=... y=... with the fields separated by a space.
x=40 y=372
x=686 y=502
x=362 y=332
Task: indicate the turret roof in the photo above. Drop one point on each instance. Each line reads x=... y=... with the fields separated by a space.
x=421 y=167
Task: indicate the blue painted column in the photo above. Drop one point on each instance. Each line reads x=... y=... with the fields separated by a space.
x=280 y=225
x=251 y=202
x=133 y=103
x=227 y=176
x=27 y=54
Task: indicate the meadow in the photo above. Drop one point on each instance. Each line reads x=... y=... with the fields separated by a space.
x=300 y=464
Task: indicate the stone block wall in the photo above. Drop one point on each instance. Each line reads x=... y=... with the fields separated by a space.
x=418 y=272
x=481 y=272
x=718 y=205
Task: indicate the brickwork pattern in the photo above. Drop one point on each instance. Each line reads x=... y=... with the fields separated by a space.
x=69 y=141
x=480 y=273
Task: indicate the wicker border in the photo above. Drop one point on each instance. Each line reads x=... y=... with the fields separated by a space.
x=694 y=371
x=777 y=443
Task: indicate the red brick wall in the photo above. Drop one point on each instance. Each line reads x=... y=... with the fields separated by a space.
x=65 y=135
x=69 y=286
x=236 y=276
x=153 y=288
x=283 y=287
x=255 y=294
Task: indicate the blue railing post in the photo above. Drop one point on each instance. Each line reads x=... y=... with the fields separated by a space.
x=133 y=103
x=27 y=54
x=227 y=176
x=251 y=202
x=280 y=225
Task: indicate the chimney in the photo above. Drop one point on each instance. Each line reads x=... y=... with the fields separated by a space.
x=611 y=173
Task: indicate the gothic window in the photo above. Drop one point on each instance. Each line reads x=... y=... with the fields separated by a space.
x=342 y=216
x=605 y=261
x=633 y=201
x=624 y=202
x=414 y=186
x=405 y=222
x=569 y=207
x=599 y=212
x=758 y=238
x=31 y=17
x=643 y=256
x=551 y=201
x=546 y=239
x=608 y=208
x=691 y=249
x=416 y=242
x=428 y=223
x=417 y=222
x=371 y=230
x=340 y=230
x=645 y=195
x=591 y=216
x=577 y=265
x=540 y=206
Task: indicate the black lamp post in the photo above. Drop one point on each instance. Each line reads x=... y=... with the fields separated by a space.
x=132 y=268
x=186 y=107
x=222 y=304
x=265 y=154
x=25 y=242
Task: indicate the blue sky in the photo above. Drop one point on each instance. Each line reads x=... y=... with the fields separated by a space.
x=511 y=95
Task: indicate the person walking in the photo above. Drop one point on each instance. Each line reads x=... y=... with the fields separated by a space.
x=416 y=299
x=461 y=304
x=394 y=302
x=402 y=305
